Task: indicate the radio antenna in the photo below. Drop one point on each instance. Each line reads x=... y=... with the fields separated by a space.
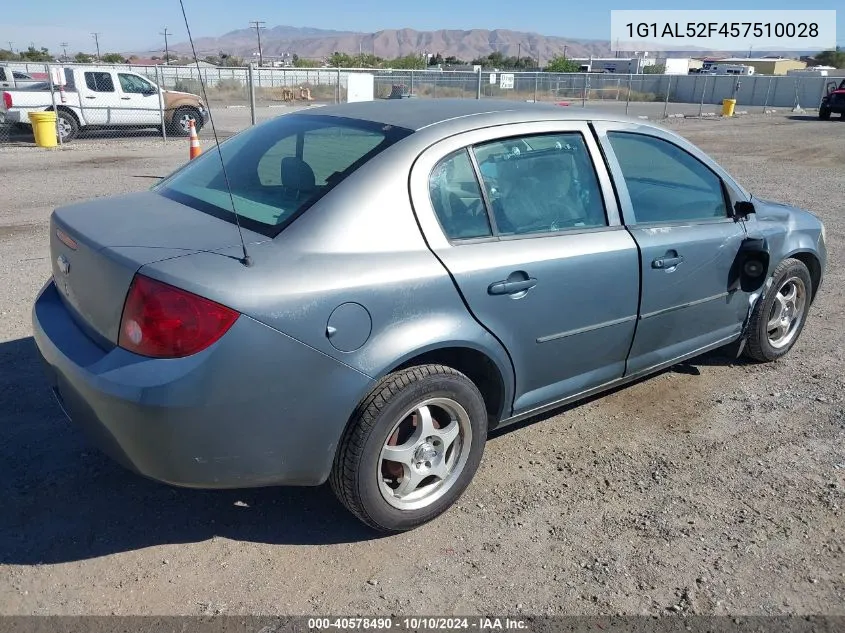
x=246 y=260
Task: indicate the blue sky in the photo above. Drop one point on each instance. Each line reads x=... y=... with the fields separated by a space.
x=138 y=27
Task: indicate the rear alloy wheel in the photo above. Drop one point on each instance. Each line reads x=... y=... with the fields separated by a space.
x=780 y=314
x=824 y=114
x=412 y=448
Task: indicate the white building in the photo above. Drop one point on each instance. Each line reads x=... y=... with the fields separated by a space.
x=679 y=65
x=622 y=65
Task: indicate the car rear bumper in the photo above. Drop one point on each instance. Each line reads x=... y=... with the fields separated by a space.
x=14 y=116
x=255 y=409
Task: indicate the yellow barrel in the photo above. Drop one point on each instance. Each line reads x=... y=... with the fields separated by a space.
x=728 y=106
x=44 y=128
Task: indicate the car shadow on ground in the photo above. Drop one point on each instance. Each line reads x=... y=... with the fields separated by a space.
x=718 y=358
x=63 y=500
x=814 y=117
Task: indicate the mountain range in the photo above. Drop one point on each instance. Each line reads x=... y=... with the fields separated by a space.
x=315 y=43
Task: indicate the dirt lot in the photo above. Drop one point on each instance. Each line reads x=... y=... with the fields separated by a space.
x=714 y=488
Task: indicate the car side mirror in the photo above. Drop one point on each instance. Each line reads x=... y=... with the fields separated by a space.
x=743 y=208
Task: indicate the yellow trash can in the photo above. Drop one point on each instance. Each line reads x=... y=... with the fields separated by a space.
x=44 y=128
x=728 y=106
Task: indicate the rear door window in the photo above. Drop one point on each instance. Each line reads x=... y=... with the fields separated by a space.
x=540 y=184
x=99 y=82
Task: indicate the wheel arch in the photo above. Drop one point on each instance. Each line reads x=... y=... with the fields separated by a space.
x=175 y=106
x=811 y=260
x=477 y=365
x=64 y=108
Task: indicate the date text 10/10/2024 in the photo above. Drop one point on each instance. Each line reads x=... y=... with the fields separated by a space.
x=419 y=623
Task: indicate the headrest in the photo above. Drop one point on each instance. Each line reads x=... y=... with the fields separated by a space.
x=297 y=174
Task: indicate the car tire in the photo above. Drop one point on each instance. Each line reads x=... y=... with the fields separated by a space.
x=180 y=116
x=779 y=316
x=824 y=114
x=67 y=122
x=390 y=496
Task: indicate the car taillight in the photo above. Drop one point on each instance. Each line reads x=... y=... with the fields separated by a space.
x=7 y=100
x=162 y=321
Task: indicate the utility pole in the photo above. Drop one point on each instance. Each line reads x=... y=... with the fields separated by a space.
x=519 y=55
x=97 y=42
x=64 y=50
x=258 y=25
x=564 y=52
x=166 y=47
x=11 y=50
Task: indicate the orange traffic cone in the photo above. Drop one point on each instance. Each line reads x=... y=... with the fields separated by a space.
x=196 y=150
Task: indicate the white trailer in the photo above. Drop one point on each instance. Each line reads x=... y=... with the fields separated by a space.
x=730 y=69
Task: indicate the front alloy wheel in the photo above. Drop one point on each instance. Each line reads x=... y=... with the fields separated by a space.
x=780 y=314
x=411 y=448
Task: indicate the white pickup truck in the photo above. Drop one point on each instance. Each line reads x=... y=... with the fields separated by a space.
x=101 y=97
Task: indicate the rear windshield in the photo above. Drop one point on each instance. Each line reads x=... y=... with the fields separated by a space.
x=278 y=169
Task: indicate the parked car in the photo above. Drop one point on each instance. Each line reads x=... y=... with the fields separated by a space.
x=413 y=274
x=834 y=101
x=10 y=78
x=98 y=97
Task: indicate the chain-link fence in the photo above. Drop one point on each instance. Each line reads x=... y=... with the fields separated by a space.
x=115 y=101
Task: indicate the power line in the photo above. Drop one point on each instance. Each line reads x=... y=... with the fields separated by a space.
x=97 y=42
x=258 y=25
x=166 y=47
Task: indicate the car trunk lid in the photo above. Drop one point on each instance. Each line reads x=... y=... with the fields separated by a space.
x=96 y=248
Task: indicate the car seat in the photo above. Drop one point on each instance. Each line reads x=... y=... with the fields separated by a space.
x=297 y=177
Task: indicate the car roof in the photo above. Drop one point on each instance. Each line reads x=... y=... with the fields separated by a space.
x=416 y=114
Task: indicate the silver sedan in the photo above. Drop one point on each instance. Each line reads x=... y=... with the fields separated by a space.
x=360 y=293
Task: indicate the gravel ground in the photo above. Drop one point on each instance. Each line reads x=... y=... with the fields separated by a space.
x=714 y=488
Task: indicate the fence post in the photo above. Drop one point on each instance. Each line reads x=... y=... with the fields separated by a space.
x=768 y=90
x=584 y=92
x=478 y=90
x=161 y=106
x=53 y=98
x=668 y=90
x=824 y=89
x=337 y=92
x=628 y=96
x=249 y=75
x=703 y=91
x=797 y=106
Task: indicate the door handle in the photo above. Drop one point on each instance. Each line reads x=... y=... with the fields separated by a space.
x=667 y=262
x=511 y=287
x=90 y=97
x=126 y=98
